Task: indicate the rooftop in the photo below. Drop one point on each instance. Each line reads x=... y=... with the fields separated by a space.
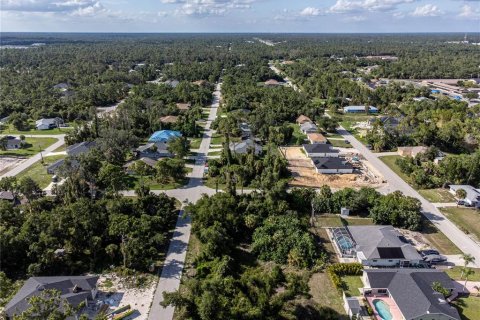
x=411 y=289
x=316 y=137
x=164 y=135
x=382 y=242
x=472 y=193
x=331 y=163
x=319 y=148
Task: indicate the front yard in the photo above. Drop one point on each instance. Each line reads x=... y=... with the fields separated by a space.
x=438 y=240
x=38 y=171
x=32 y=147
x=437 y=195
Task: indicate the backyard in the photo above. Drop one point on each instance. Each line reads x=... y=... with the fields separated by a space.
x=32 y=147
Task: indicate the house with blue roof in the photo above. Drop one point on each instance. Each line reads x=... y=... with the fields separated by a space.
x=164 y=135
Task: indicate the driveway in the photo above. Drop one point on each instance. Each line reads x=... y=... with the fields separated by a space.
x=458 y=237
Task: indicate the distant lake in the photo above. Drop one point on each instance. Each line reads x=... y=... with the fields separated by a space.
x=33 y=45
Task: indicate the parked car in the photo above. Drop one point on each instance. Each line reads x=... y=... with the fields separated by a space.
x=369 y=146
x=347 y=142
x=429 y=252
x=434 y=258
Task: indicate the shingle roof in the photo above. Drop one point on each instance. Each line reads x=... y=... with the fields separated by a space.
x=35 y=285
x=319 y=148
x=6 y=195
x=81 y=147
x=316 y=137
x=331 y=163
x=302 y=119
x=370 y=238
x=308 y=126
x=472 y=194
x=169 y=119
x=244 y=146
x=411 y=289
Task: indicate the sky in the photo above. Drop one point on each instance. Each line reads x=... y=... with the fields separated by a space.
x=317 y=16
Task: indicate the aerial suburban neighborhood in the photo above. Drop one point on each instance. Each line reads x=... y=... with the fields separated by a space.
x=239 y=176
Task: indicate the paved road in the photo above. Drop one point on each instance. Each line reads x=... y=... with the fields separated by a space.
x=458 y=237
x=30 y=161
x=175 y=259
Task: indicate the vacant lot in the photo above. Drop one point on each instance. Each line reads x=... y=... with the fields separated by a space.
x=324 y=293
x=304 y=175
x=437 y=195
x=468 y=220
x=32 y=146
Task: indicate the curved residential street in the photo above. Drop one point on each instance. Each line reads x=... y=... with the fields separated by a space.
x=430 y=211
x=175 y=259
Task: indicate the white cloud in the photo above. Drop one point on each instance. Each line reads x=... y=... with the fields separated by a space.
x=310 y=11
x=355 y=6
x=468 y=12
x=208 y=7
x=428 y=10
x=48 y=5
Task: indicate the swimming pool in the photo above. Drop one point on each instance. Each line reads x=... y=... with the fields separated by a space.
x=383 y=310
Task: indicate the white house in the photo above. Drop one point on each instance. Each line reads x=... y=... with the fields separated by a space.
x=473 y=195
x=318 y=150
x=46 y=124
x=308 y=127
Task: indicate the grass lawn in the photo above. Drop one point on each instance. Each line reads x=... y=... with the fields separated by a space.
x=438 y=240
x=456 y=272
x=340 y=144
x=32 y=147
x=217 y=138
x=134 y=182
x=324 y=293
x=215 y=153
x=36 y=132
x=437 y=195
x=333 y=135
x=352 y=284
x=195 y=143
x=468 y=307
x=390 y=162
x=297 y=135
x=61 y=148
x=468 y=220
x=38 y=171
x=330 y=220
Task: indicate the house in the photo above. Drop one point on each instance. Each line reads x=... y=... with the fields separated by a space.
x=303 y=119
x=359 y=109
x=153 y=150
x=332 y=165
x=246 y=130
x=74 y=290
x=381 y=246
x=50 y=123
x=169 y=119
x=7 y=196
x=418 y=99
x=172 y=83
x=4 y=120
x=73 y=152
x=272 y=83
x=308 y=127
x=316 y=138
x=473 y=195
x=408 y=294
x=148 y=161
x=245 y=146
x=12 y=143
x=184 y=106
x=387 y=122
x=164 y=135
x=352 y=307
x=411 y=151
x=318 y=150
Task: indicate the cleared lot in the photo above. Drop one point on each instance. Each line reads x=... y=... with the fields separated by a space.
x=304 y=174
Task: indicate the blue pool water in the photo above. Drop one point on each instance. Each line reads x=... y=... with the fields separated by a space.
x=344 y=243
x=382 y=309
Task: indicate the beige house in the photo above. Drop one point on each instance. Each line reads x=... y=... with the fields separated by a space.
x=184 y=106
x=411 y=151
x=303 y=119
x=316 y=138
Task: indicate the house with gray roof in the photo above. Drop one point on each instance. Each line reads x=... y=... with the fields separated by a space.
x=153 y=150
x=319 y=150
x=10 y=143
x=332 y=165
x=473 y=195
x=50 y=123
x=245 y=146
x=408 y=294
x=308 y=127
x=73 y=290
x=383 y=246
x=73 y=152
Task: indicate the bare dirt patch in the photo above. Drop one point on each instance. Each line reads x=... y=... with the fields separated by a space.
x=7 y=163
x=304 y=174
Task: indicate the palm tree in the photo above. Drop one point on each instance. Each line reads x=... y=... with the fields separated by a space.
x=460 y=194
x=467 y=259
x=467 y=272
